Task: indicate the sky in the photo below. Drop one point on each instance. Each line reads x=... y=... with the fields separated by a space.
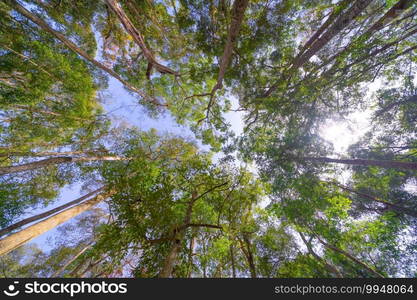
x=122 y=107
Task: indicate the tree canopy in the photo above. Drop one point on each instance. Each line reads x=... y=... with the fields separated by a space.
x=275 y=199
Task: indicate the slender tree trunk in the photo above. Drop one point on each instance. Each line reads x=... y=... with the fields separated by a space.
x=90 y=266
x=44 y=154
x=366 y=162
x=54 y=161
x=48 y=213
x=391 y=14
x=232 y=259
x=74 y=273
x=35 y=165
x=249 y=256
x=328 y=266
x=179 y=234
x=394 y=104
x=351 y=257
x=190 y=257
x=331 y=71
x=42 y=24
x=137 y=37
x=62 y=269
x=45 y=112
x=171 y=258
x=391 y=206
x=335 y=13
x=17 y=239
x=340 y=23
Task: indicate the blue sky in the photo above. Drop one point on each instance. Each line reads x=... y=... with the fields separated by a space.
x=122 y=107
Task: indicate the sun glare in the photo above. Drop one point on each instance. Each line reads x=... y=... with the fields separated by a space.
x=343 y=133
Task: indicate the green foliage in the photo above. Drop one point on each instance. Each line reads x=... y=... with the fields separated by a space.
x=307 y=211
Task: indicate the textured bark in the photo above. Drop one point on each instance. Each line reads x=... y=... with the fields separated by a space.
x=366 y=162
x=17 y=239
x=54 y=161
x=138 y=38
x=238 y=13
x=42 y=24
x=48 y=213
x=351 y=257
x=328 y=266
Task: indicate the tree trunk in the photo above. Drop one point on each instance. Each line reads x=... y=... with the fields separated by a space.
x=62 y=269
x=54 y=161
x=391 y=206
x=42 y=24
x=331 y=71
x=44 y=154
x=45 y=112
x=335 y=13
x=249 y=256
x=328 y=266
x=171 y=258
x=17 y=239
x=137 y=37
x=394 y=104
x=190 y=256
x=232 y=259
x=238 y=13
x=341 y=22
x=47 y=213
x=179 y=234
x=391 y=14
x=351 y=257
x=366 y=162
